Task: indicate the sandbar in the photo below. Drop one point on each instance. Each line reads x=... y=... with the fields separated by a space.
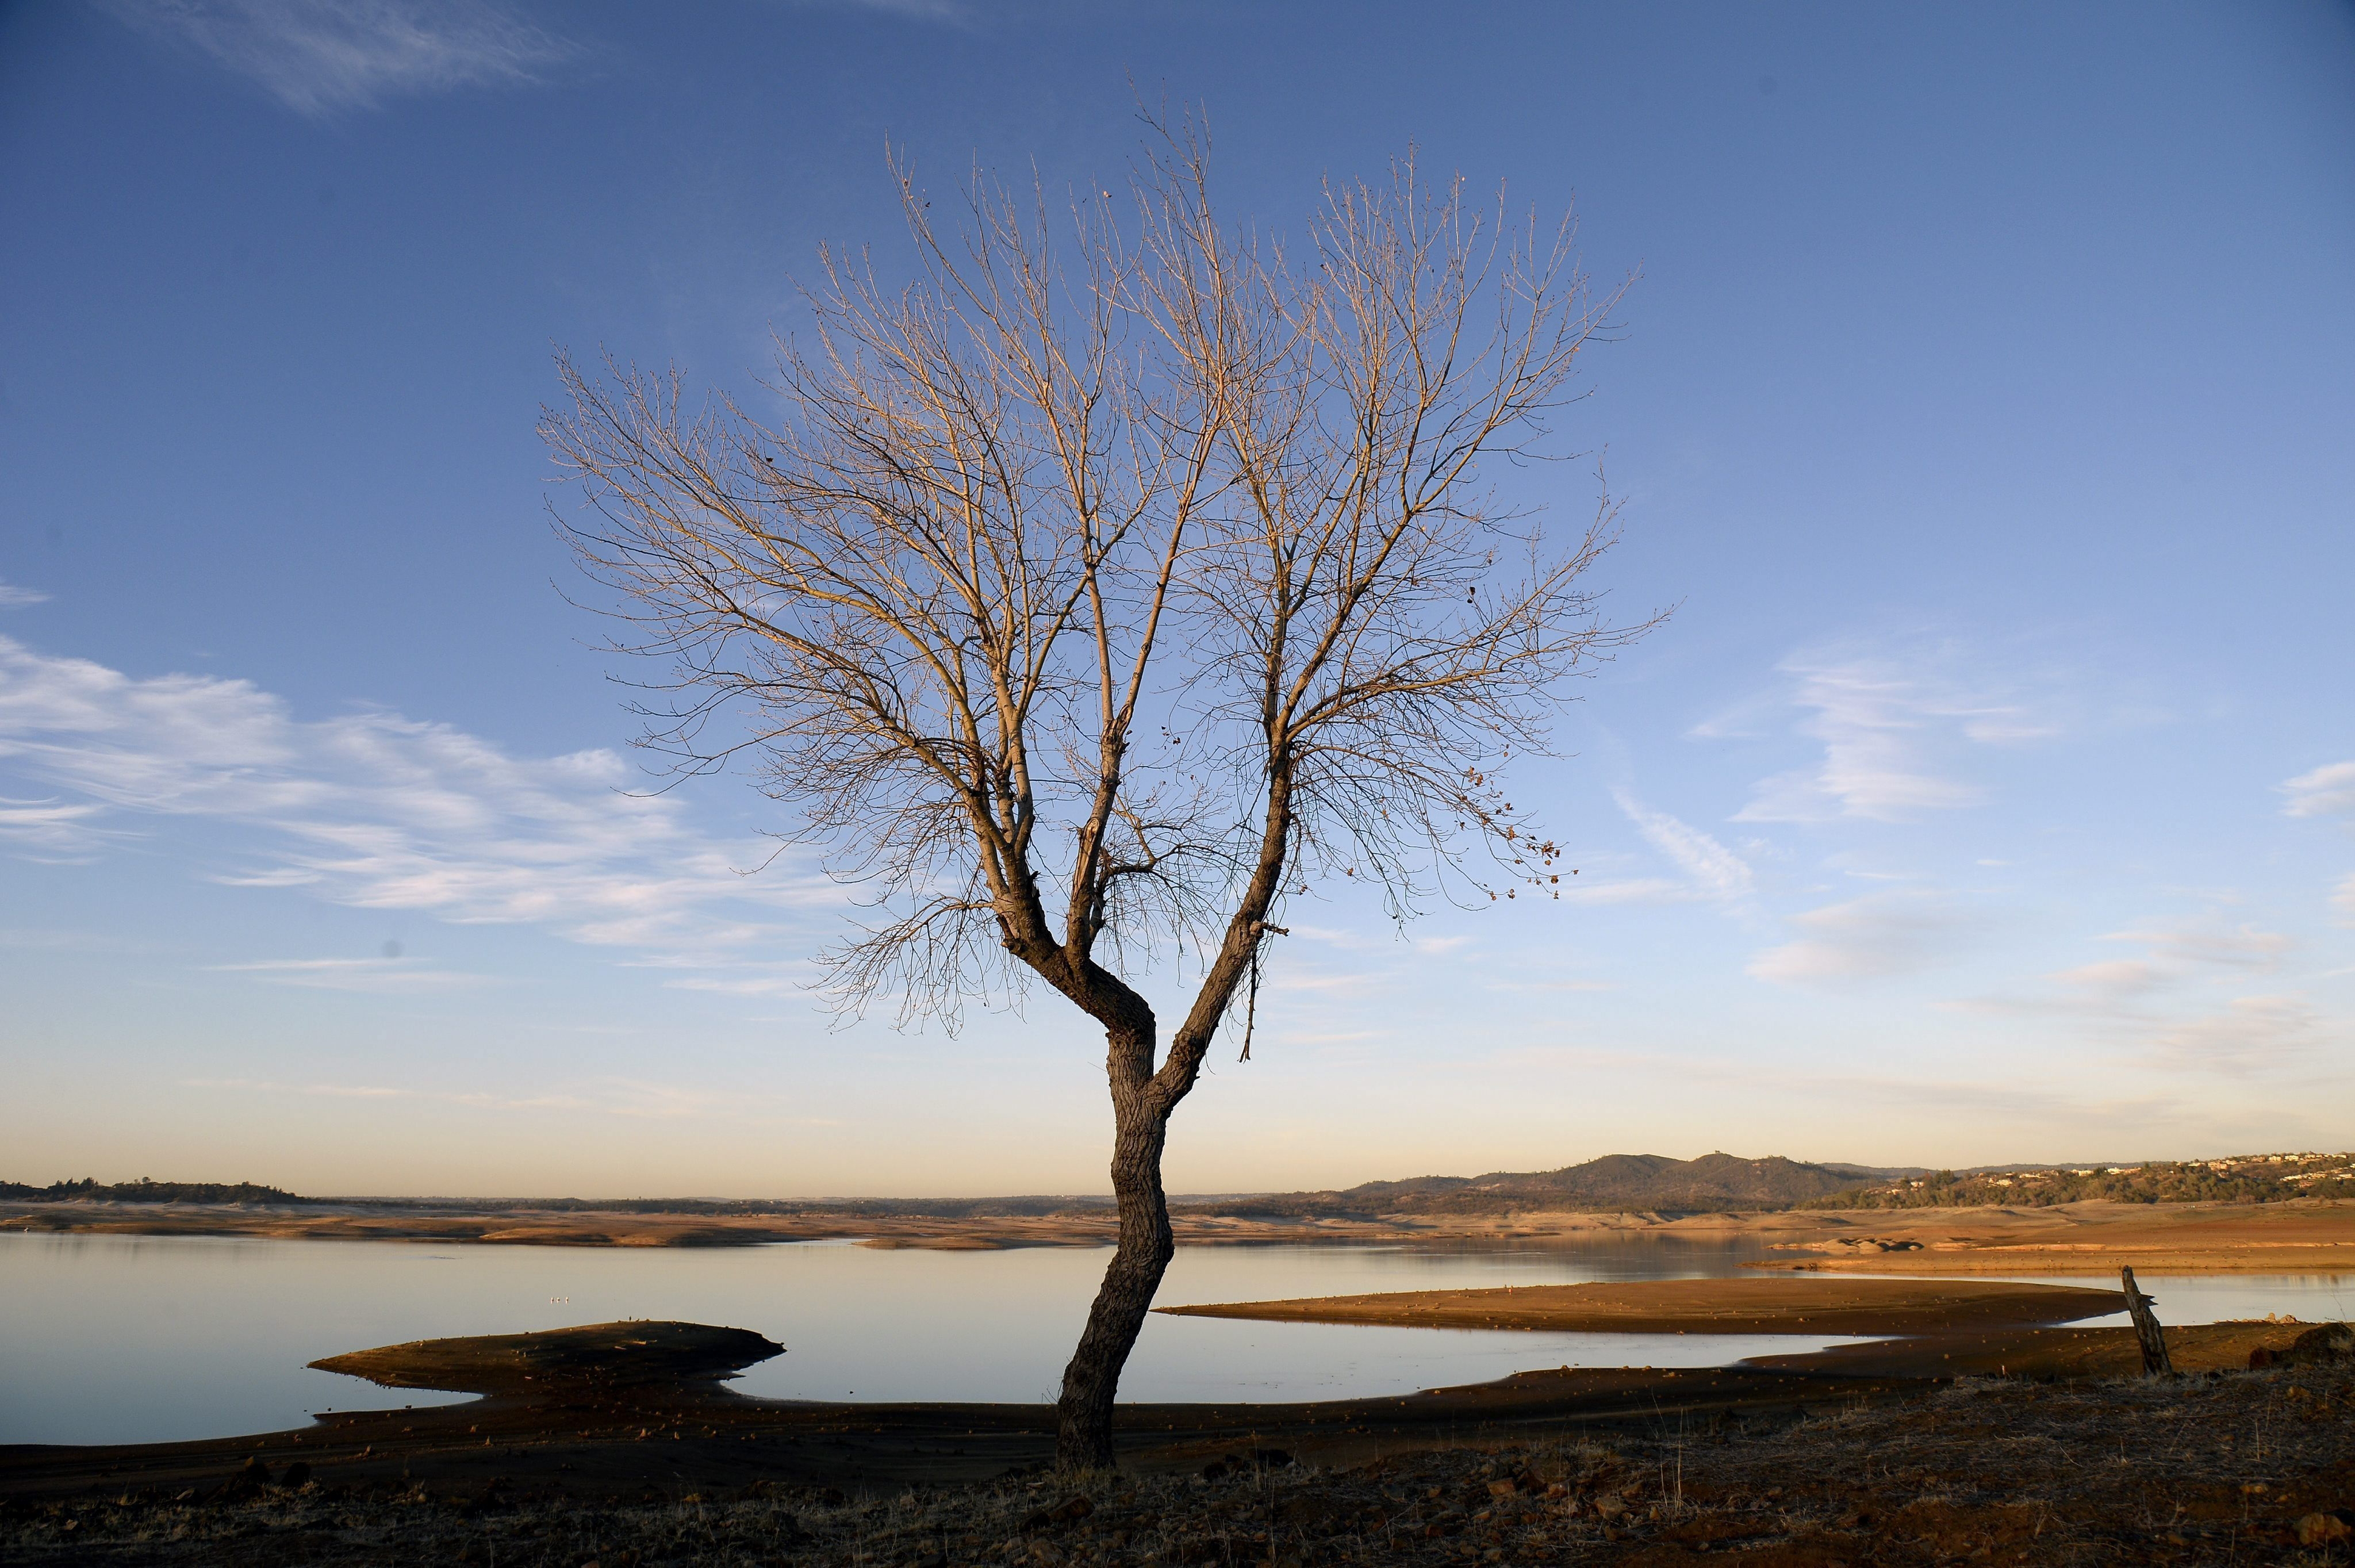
x=1827 y=1306
x=592 y=1361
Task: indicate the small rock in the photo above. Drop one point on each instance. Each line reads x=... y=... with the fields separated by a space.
x=1611 y=1505
x=2331 y=1342
x=296 y=1476
x=2326 y=1529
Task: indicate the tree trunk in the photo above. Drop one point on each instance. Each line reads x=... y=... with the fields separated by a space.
x=1083 y=1430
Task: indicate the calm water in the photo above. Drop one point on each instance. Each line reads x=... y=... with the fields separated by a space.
x=122 y=1338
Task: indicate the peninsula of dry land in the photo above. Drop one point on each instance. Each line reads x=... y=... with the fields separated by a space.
x=1700 y=1306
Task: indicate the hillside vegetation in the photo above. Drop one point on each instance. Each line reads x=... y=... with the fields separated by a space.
x=2242 y=1178
x=145 y=1191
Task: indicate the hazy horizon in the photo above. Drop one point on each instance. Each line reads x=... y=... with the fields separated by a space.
x=1982 y=409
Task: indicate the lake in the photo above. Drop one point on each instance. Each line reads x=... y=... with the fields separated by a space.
x=136 y=1338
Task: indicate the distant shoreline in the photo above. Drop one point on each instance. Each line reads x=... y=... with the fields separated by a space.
x=2298 y=1235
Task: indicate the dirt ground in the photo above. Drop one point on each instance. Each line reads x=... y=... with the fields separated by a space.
x=2243 y=1467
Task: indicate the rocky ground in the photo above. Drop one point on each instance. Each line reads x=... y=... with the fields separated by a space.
x=2230 y=1467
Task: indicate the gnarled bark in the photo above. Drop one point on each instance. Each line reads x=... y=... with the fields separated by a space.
x=1092 y=1381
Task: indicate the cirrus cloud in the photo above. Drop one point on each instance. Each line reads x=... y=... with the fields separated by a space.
x=318 y=57
x=379 y=811
x=2327 y=791
x=1881 y=717
x=1872 y=938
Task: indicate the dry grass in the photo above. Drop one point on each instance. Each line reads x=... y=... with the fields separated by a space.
x=2213 y=1469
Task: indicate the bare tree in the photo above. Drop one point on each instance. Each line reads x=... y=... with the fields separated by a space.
x=1108 y=585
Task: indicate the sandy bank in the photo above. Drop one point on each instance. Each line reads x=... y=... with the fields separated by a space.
x=2086 y=1238
x=1698 y=1307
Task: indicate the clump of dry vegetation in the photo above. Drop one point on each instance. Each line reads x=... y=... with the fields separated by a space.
x=2251 y=1467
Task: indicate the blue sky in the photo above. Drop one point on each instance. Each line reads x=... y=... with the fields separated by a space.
x=1983 y=407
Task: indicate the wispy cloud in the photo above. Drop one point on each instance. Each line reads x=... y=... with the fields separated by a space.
x=2327 y=791
x=13 y=597
x=1880 y=718
x=2006 y=1097
x=318 y=57
x=2236 y=947
x=622 y=1097
x=1630 y=890
x=2250 y=1033
x=2135 y=992
x=1871 y=938
x=953 y=11
x=379 y=811
x=1711 y=871
x=2164 y=1004
x=383 y=976
x=65 y=829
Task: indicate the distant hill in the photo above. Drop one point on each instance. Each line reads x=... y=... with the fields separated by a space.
x=1615 y=1182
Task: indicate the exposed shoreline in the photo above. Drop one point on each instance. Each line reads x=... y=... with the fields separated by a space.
x=601 y=1431
x=2308 y=1236
x=2091 y=1474
x=1885 y=1308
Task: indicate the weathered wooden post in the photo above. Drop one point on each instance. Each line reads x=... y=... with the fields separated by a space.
x=2155 y=1359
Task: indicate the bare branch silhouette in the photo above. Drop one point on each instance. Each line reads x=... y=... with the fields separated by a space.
x=1113 y=582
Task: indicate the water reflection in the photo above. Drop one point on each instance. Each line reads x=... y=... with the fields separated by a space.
x=127 y=1339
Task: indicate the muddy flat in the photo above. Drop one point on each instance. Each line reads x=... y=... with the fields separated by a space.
x=556 y=1363
x=1845 y=1306
x=2040 y=1355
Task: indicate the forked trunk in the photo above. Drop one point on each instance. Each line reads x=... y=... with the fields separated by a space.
x=1083 y=1431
